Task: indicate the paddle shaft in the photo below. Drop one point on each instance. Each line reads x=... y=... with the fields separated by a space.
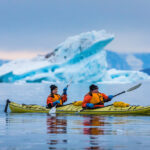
x=119 y=93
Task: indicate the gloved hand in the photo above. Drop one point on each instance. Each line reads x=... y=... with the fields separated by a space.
x=90 y=105
x=65 y=91
x=56 y=102
x=110 y=97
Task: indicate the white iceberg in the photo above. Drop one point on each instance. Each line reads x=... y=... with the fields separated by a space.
x=81 y=57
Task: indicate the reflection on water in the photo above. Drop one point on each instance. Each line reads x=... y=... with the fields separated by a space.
x=93 y=125
x=96 y=132
x=65 y=132
x=90 y=125
x=56 y=125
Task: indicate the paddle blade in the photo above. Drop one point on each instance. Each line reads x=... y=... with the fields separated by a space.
x=52 y=110
x=135 y=87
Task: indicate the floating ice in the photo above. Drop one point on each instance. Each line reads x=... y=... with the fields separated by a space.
x=81 y=57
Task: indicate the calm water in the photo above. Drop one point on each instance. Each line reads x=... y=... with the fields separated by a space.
x=71 y=132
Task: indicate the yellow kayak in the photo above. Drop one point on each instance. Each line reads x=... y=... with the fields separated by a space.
x=71 y=109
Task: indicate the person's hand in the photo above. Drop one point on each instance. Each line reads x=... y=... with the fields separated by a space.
x=65 y=91
x=110 y=97
x=90 y=105
x=56 y=102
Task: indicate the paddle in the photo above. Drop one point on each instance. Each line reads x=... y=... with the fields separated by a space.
x=130 y=89
x=53 y=109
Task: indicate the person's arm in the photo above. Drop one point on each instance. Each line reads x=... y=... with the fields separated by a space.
x=86 y=100
x=64 y=98
x=49 y=101
x=107 y=98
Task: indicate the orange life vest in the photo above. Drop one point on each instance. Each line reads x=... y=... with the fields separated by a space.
x=97 y=98
x=55 y=98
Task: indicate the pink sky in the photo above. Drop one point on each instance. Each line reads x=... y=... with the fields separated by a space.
x=12 y=55
x=35 y=27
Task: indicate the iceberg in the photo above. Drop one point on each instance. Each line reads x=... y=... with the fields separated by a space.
x=81 y=58
x=124 y=76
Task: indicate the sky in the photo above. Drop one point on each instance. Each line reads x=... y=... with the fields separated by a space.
x=32 y=27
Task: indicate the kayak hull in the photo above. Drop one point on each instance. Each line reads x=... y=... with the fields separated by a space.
x=21 y=108
x=71 y=109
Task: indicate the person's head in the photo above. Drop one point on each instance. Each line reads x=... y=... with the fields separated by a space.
x=53 y=89
x=93 y=88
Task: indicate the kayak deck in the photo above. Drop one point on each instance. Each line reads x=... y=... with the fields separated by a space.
x=71 y=109
x=105 y=110
x=22 y=108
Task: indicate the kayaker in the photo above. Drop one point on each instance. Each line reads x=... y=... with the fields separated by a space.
x=54 y=98
x=94 y=98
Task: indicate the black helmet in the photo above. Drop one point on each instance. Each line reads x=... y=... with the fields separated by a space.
x=52 y=87
x=93 y=87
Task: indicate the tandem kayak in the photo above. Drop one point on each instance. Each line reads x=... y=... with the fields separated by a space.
x=71 y=109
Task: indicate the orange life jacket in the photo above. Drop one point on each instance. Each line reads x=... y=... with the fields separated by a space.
x=97 y=98
x=56 y=97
